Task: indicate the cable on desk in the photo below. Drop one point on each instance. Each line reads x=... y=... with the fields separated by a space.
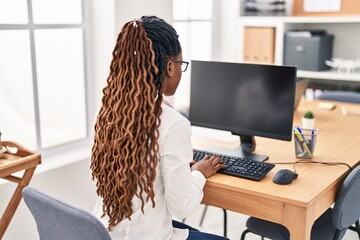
x=312 y=161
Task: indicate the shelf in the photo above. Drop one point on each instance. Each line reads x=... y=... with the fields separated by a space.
x=250 y=20
x=332 y=20
x=329 y=75
x=344 y=28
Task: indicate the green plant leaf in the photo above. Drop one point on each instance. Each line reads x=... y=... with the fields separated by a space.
x=309 y=114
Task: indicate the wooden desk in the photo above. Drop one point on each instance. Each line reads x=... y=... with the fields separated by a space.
x=24 y=159
x=297 y=205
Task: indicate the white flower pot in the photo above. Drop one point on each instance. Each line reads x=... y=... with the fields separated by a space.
x=308 y=123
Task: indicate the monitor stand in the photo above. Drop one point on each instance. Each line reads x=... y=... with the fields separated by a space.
x=247 y=146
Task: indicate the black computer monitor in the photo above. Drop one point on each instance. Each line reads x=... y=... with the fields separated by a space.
x=246 y=99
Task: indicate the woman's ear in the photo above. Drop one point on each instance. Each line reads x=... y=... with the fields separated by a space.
x=170 y=68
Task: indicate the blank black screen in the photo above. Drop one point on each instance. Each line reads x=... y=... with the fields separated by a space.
x=249 y=99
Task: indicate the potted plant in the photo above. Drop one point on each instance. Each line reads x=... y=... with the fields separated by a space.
x=308 y=120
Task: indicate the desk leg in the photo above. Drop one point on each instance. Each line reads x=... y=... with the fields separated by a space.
x=15 y=200
x=298 y=221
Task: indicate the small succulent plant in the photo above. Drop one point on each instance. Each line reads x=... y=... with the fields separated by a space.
x=309 y=114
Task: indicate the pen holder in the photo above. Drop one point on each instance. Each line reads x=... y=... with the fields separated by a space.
x=305 y=140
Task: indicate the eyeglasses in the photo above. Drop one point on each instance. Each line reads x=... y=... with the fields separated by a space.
x=184 y=64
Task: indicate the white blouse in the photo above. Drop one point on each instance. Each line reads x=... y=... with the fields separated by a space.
x=178 y=190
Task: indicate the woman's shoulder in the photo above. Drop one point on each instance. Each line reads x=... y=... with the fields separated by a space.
x=172 y=116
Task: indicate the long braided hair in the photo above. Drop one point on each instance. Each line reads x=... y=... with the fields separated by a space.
x=125 y=149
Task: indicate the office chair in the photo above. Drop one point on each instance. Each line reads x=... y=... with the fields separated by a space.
x=57 y=220
x=332 y=224
x=342 y=96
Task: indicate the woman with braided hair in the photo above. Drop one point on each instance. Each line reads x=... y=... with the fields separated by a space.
x=142 y=155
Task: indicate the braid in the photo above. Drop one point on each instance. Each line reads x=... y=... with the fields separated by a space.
x=125 y=150
x=165 y=42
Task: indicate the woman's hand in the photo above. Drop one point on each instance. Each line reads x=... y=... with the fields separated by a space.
x=208 y=166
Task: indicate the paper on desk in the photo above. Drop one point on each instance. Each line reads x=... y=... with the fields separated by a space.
x=350 y=110
x=322 y=5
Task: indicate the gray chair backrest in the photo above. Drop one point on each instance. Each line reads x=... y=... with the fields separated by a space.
x=57 y=220
x=342 y=96
x=347 y=208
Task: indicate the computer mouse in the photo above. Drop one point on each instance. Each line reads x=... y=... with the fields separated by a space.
x=284 y=176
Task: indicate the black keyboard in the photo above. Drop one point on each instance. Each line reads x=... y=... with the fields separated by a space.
x=237 y=166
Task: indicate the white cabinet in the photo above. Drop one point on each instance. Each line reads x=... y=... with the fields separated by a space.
x=346 y=45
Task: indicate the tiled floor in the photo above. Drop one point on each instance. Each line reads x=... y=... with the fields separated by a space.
x=213 y=223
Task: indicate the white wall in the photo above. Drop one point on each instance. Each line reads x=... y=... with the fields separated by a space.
x=103 y=32
x=226 y=37
x=129 y=10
